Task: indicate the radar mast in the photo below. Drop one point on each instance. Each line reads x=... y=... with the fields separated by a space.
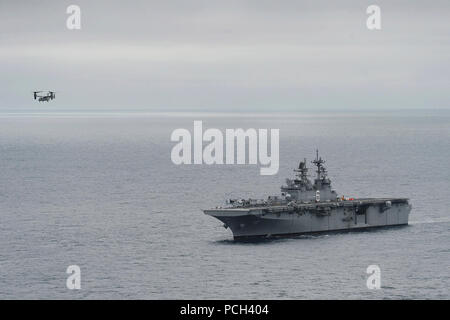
x=318 y=162
x=302 y=171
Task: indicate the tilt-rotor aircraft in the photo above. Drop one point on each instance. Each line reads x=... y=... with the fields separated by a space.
x=47 y=96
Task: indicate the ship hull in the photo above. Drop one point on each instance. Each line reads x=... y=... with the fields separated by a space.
x=283 y=221
x=250 y=238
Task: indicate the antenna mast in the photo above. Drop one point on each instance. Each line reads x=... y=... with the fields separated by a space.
x=318 y=162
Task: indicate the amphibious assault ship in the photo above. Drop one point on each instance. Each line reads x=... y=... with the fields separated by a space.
x=305 y=208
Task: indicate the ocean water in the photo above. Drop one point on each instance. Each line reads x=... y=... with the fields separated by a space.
x=100 y=191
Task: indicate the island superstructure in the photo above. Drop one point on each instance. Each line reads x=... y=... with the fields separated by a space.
x=306 y=207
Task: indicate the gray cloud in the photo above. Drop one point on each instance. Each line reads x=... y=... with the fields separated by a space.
x=226 y=55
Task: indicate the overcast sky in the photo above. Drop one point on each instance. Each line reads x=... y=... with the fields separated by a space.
x=225 y=55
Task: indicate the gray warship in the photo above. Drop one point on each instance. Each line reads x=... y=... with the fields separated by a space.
x=308 y=208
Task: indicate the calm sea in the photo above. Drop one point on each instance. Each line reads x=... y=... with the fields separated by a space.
x=100 y=191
